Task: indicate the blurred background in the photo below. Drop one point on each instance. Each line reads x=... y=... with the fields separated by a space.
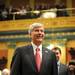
x=58 y=16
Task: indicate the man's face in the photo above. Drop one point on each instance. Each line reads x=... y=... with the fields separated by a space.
x=37 y=35
x=58 y=54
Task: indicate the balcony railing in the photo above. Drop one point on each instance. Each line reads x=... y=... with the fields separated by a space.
x=52 y=13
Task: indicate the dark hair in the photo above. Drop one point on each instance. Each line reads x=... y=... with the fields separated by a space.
x=72 y=62
x=57 y=48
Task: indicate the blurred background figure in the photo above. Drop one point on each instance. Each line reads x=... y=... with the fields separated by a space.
x=61 y=9
x=5 y=71
x=71 y=67
x=62 y=68
x=4 y=14
x=23 y=11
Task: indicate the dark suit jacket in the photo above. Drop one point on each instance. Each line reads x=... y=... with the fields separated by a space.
x=63 y=69
x=23 y=62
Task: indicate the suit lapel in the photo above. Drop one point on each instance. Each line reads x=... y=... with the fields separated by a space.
x=32 y=57
x=44 y=59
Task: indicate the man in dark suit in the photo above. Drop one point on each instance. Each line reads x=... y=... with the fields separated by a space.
x=62 y=68
x=24 y=62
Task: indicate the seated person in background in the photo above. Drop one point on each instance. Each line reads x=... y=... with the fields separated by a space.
x=61 y=10
x=4 y=14
x=62 y=69
x=71 y=67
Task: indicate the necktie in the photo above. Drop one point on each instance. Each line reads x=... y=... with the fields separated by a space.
x=38 y=58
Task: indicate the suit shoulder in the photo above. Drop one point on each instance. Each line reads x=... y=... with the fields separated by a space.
x=64 y=65
x=50 y=51
x=23 y=47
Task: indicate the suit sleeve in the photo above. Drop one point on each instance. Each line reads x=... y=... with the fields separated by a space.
x=55 y=68
x=16 y=63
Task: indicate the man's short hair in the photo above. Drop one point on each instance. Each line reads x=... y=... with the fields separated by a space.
x=34 y=25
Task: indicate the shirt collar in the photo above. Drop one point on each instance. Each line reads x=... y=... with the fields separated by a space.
x=58 y=63
x=34 y=46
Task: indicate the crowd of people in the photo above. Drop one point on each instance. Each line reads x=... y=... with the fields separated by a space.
x=26 y=12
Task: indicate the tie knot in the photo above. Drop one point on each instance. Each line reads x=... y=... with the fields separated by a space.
x=37 y=49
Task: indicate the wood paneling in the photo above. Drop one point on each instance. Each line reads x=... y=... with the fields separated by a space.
x=19 y=3
x=73 y=6
x=3 y=53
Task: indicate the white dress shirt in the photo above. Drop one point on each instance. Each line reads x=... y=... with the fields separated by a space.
x=58 y=63
x=34 y=48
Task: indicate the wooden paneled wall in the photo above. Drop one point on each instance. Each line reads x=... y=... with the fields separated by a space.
x=19 y=3
x=48 y=23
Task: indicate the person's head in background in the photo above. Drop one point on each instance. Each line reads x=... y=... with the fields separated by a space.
x=72 y=65
x=36 y=31
x=5 y=72
x=57 y=52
